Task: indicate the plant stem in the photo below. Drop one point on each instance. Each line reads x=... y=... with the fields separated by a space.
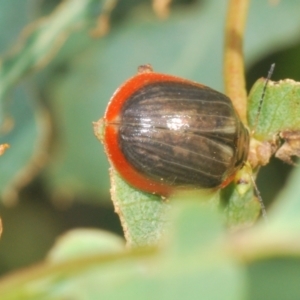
x=234 y=70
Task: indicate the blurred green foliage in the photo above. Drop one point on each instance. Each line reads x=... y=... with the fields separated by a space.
x=56 y=78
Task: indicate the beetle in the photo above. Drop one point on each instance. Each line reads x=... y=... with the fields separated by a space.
x=163 y=133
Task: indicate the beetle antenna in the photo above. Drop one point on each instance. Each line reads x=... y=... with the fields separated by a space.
x=262 y=205
x=258 y=195
x=270 y=73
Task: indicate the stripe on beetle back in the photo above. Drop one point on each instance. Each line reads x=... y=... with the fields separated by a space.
x=167 y=130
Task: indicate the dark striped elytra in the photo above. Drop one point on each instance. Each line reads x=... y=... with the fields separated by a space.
x=164 y=133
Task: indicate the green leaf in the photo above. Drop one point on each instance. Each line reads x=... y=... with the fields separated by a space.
x=43 y=38
x=196 y=212
x=27 y=133
x=147 y=274
x=40 y=41
x=280 y=108
x=143 y=216
x=12 y=21
x=279 y=236
x=83 y=242
x=274 y=279
x=242 y=209
x=277 y=125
